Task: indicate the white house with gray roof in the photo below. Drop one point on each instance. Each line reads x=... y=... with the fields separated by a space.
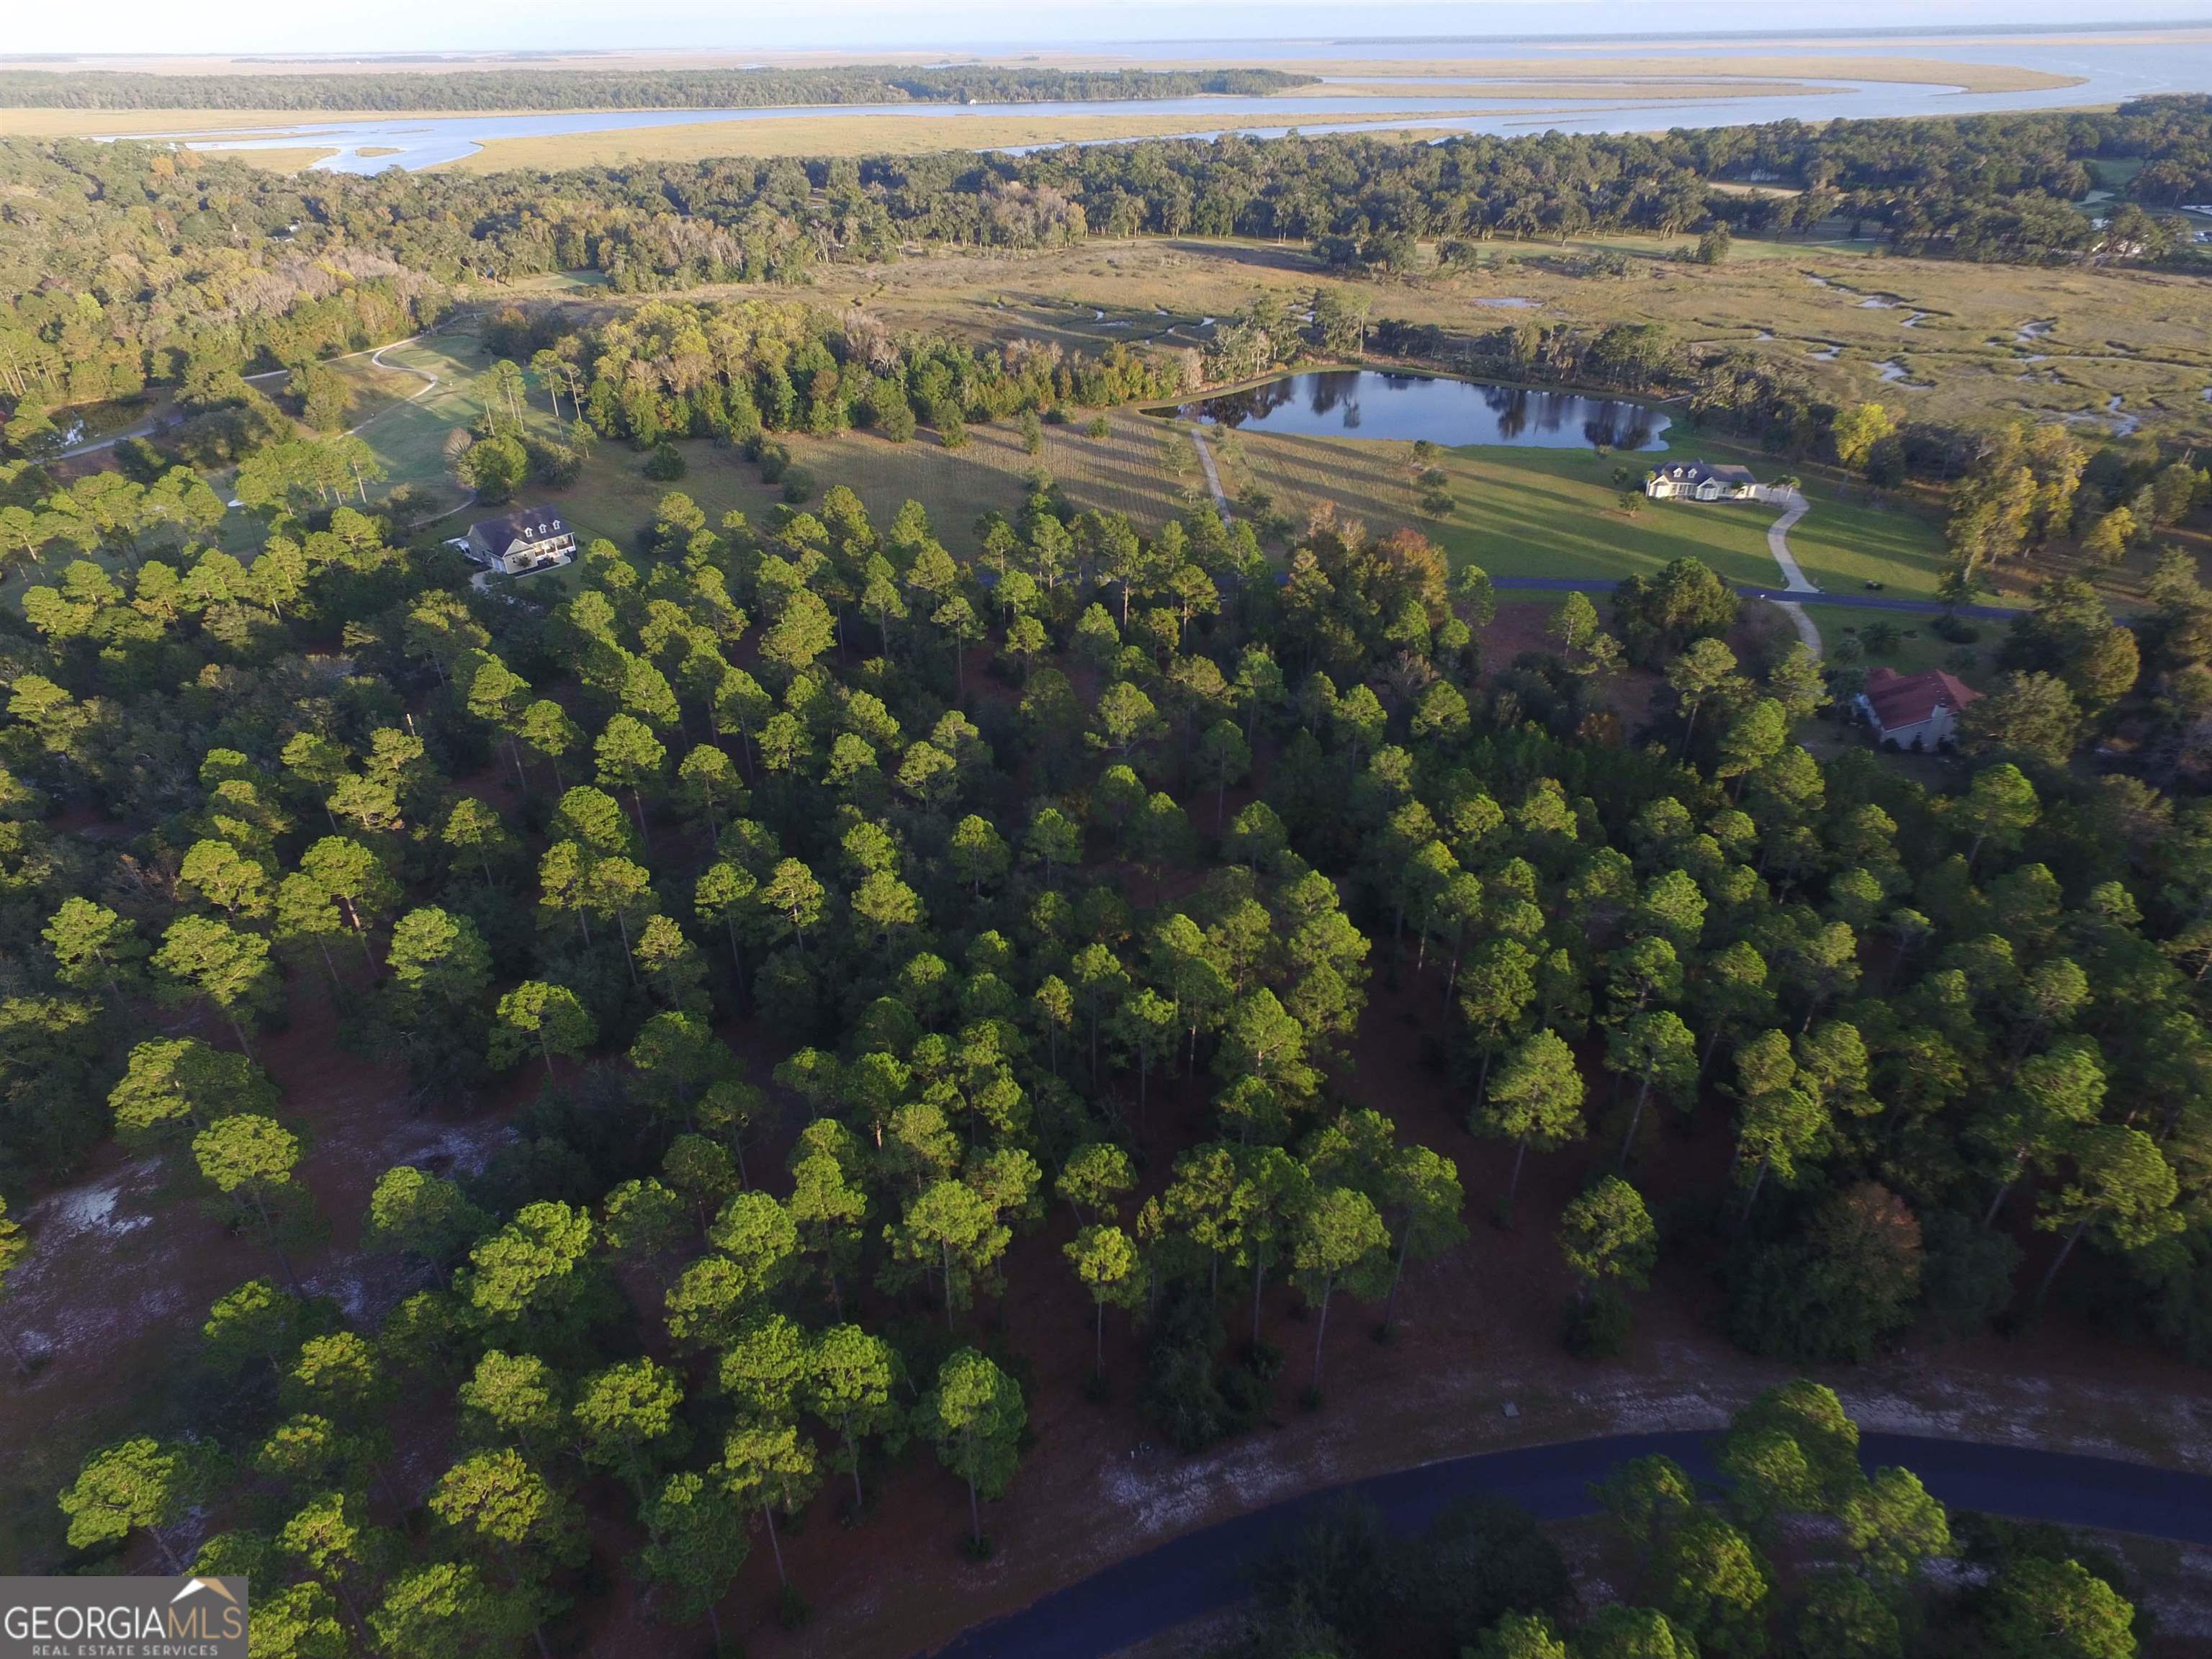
x=1695 y=481
x=529 y=539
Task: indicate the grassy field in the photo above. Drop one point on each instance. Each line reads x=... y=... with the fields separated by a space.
x=1123 y=473
x=1530 y=512
x=1656 y=87
x=290 y=159
x=1917 y=649
x=407 y=432
x=1518 y=512
x=833 y=134
x=1706 y=58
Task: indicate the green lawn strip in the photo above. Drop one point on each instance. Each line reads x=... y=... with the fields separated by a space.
x=1918 y=647
x=1529 y=511
x=1842 y=543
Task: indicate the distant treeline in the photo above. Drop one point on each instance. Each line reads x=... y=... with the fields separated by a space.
x=549 y=89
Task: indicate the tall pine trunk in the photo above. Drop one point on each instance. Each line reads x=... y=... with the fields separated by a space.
x=1320 y=1330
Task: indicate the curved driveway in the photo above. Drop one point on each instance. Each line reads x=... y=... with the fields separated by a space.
x=1795 y=507
x=1202 y=1572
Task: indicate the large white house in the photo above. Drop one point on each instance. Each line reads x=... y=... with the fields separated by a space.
x=1693 y=481
x=529 y=539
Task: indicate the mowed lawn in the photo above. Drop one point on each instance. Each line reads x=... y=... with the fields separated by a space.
x=406 y=425
x=1917 y=648
x=1533 y=512
x=1842 y=544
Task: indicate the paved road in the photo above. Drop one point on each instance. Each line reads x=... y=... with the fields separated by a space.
x=1795 y=507
x=1779 y=595
x=1203 y=1571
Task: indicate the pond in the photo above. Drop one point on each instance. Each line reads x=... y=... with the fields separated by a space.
x=1366 y=402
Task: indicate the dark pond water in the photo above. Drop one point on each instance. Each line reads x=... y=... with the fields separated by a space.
x=1366 y=403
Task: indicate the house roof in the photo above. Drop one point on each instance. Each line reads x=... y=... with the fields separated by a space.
x=524 y=523
x=1901 y=700
x=1696 y=472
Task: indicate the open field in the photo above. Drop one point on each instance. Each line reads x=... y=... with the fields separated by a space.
x=1124 y=473
x=408 y=433
x=1714 y=60
x=289 y=160
x=1450 y=84
x=1530 y=512
x=834 y=134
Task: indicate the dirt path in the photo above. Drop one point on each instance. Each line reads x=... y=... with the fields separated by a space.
x=1212 y=477
x=376 y=356
x=1795 y=507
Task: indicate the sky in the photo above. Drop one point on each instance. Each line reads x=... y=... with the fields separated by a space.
x=386 y=26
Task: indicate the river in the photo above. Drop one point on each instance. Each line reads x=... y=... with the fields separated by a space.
x=2111 y=70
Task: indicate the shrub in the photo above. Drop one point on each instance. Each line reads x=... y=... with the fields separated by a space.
x=1597 y=1329
x=665 y=465
x=1187 y=1393
x=888 y=410
x=798 y=484
x=1833 y=1290
x=1965 y=1275
x=555 y=464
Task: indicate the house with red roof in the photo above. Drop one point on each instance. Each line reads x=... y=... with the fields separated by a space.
x=1914 y=711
